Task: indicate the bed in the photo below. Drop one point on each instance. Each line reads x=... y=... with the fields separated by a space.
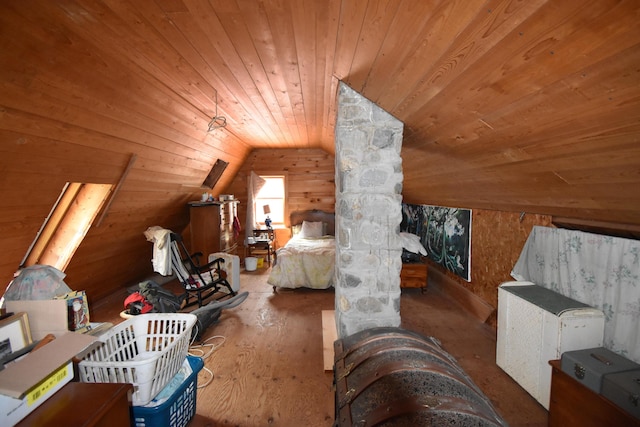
x=308 y=258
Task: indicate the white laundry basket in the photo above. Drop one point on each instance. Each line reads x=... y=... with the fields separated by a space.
x=146 y=350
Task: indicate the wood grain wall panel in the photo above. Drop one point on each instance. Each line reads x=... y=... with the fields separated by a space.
x=113 y=138
x=330 y=84
x=78 y=104
x=444 y=24
x=107 y=95
x=580 y=118
x=310 y=175
x=548 y=44
x=268 y=25
x=278 y=26
x=205 y=18
x=224 y=28
x=378 y=18
x=304 y=15
x=351 y=20
x=208 y=78
x=398 y=47
x=98 y=129
x=292 y=59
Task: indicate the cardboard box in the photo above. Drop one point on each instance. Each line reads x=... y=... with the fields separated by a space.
x=54 y=316
x=31 y=380
x=45 y=316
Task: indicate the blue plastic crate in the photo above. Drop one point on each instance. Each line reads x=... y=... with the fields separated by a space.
x=178 y=410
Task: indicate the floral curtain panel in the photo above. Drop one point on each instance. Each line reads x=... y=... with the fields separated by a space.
x=601 y=271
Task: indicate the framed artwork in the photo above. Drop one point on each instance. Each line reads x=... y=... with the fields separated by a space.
x=14 y=334
x=444 y=232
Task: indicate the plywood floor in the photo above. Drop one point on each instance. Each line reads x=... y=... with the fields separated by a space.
x=269 y=369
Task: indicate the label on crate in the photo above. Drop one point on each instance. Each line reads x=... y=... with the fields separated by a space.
x=47 y=384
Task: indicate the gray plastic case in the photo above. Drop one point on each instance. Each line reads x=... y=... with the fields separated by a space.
x=590 y=365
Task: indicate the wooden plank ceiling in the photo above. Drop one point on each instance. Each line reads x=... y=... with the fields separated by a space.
x=530 y=105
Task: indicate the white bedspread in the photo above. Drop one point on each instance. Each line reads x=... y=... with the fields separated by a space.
x=308 y=263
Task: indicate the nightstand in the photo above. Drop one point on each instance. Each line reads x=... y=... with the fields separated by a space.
x=414 y=275
x=264 y=243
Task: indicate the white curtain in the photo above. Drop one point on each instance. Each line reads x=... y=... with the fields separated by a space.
x=254 y=184
x=601 y=271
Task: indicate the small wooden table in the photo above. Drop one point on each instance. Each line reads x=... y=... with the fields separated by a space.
x=264 y=243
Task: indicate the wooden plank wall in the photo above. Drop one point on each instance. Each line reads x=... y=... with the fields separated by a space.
x=74 y=112
x=310 y=180
x=115 y=253
x=522 y=106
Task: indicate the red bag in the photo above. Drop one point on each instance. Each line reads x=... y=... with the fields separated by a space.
x=136 y=304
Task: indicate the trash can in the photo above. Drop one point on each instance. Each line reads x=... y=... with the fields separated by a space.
x=250 y=263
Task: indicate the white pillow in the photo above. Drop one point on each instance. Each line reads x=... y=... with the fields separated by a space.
x=311 y=229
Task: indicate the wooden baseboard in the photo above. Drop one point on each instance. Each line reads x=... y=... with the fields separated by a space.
x=475 y=305
x=329 y=336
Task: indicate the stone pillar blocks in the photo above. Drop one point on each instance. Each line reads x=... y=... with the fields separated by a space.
x=368 y=214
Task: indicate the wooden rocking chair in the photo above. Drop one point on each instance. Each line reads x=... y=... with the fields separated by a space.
x=201 y=281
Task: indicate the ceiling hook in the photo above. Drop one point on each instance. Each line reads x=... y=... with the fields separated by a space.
x=217 y=122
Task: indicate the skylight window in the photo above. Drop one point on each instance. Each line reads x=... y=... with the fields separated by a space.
x=67 y=224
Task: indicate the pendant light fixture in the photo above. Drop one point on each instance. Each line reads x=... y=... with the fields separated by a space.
x=217 y=121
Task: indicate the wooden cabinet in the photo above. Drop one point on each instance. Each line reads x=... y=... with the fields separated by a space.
x=211 y=227
x=84 y=404
x=413 y=275
x=573 y=404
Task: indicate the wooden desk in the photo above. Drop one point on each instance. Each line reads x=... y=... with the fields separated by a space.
x=84 y=404
x=573 y=404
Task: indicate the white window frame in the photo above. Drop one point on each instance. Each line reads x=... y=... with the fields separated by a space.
x=277 y=203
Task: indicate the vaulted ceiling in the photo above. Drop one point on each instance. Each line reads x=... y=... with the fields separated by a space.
x=529 y=105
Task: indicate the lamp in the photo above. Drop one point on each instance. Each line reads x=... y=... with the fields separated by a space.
x=267 y=220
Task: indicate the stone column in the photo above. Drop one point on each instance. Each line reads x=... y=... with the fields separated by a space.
x=368 y=214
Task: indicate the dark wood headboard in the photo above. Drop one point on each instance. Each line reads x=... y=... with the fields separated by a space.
x=315 y=215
